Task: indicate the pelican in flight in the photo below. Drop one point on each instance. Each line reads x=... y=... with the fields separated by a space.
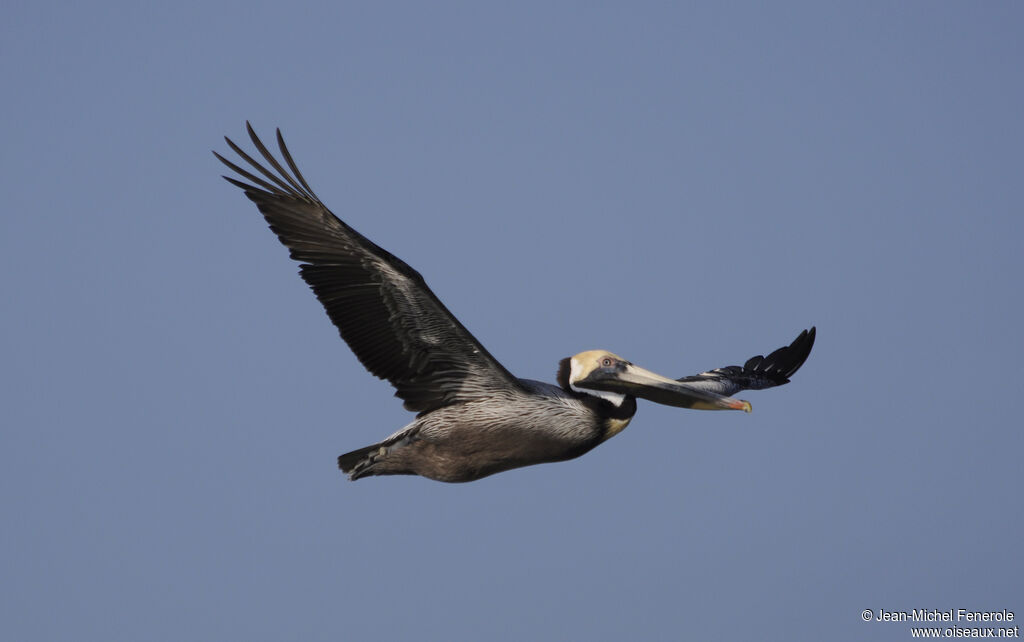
x=474 y=418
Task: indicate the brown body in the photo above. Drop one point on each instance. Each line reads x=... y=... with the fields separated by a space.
x=468 y=441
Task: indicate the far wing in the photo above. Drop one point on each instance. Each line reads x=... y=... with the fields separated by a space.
x=758 y=372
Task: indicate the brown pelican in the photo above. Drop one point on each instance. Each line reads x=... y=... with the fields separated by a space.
x=473 y=417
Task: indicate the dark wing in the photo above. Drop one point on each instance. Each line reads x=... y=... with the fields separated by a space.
x=758 y=372
x=382 y=307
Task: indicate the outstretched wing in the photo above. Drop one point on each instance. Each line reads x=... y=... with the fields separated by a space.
x=758 y=372
x=382 y=307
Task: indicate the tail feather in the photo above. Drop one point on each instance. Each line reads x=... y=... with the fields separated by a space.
x=378 y=459
x=356 y=463
x=349 y=460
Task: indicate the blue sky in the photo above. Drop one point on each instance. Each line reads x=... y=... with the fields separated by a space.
x=686 y=186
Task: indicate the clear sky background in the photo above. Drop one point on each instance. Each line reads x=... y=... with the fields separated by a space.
x=686 y=186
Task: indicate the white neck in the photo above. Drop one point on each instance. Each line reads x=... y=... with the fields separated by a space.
x=615 y=398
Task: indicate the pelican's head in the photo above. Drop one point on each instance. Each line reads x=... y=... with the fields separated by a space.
x=606 y=375
x=578 y=369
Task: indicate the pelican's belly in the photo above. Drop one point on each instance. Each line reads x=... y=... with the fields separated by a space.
x=470 y=441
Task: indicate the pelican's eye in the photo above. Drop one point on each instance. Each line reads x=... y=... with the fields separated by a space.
x=606 y=362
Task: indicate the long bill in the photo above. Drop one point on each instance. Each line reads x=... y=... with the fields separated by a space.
x=638 y=382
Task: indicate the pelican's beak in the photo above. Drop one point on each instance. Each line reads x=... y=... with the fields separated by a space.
x=629 y=379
